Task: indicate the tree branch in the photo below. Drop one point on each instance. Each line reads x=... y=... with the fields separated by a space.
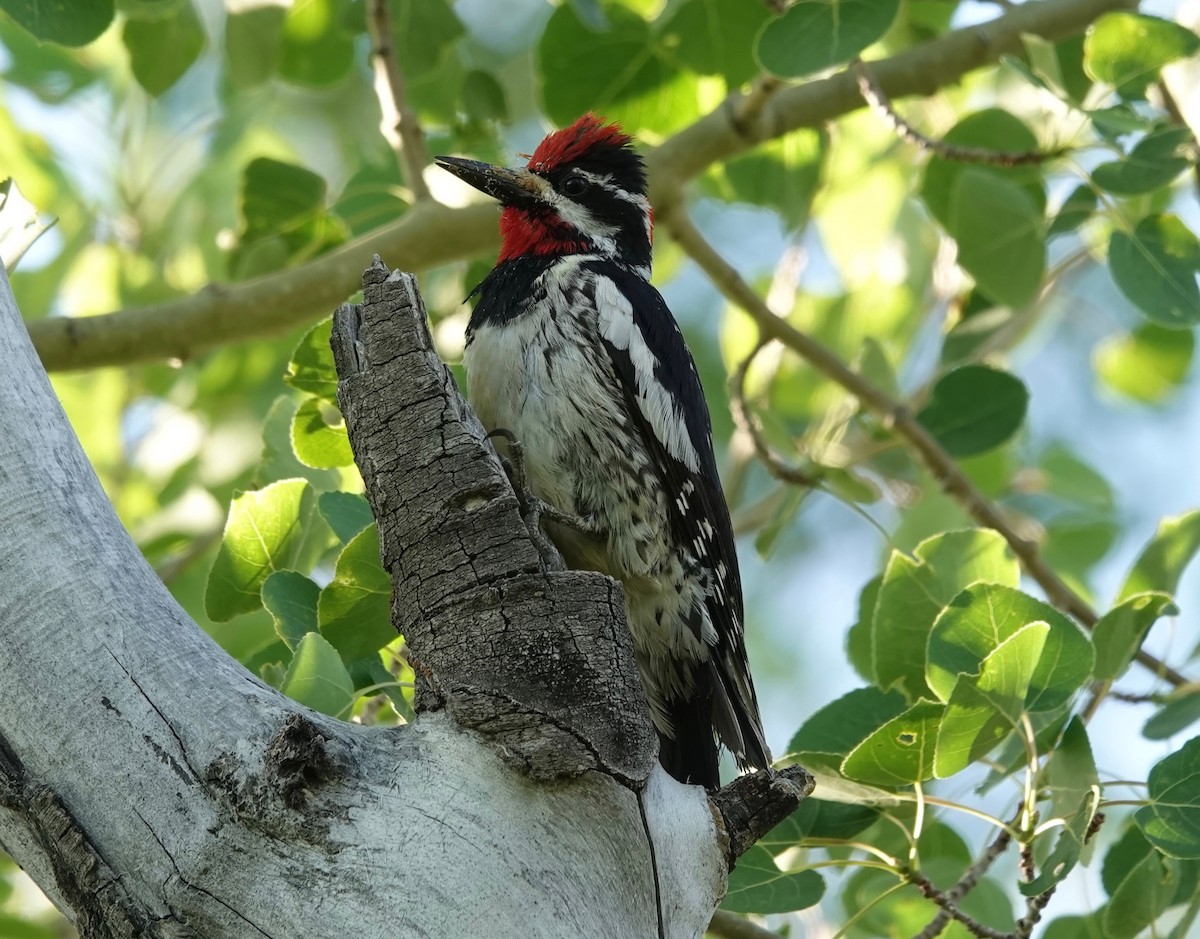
x=432 y=234
x=155 y=788
x=398 y=122
x=895 y=417
x=877 y=98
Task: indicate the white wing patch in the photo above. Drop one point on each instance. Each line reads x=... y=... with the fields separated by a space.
x=658 y=407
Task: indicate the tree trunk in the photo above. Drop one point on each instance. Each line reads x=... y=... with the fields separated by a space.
x=154 y=787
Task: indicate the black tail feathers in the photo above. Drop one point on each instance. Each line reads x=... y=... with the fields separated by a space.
x=691 y=756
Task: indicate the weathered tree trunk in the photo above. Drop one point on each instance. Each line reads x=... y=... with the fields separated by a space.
x=154 y=787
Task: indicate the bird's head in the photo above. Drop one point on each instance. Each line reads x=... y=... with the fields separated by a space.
x=582 y=192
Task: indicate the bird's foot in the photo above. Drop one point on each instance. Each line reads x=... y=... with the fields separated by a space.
x=535 y=511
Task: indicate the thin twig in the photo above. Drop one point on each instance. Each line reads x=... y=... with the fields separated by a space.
x=744 y=419
x=727 y=925
x=967 y=883
x=950 y=908
x=399 y=122
x=877 y=98
x=895 y=417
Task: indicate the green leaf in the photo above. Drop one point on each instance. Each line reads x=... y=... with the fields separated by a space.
x=265 y=532
x=1121 y=630
x=278 y=196
x=832 y=732
x=355 y=607
x=283 y=216
x=1069 y=478
x=483 y=97
x=423 y=30
x=347 y=513
x=1171 y=822
x=311 y=368
x=66 y=22
x=1114 y=122
x=974 y=408
x=991 y=129
x=1147 y=364
x=1128 y=49
x=1156 y=268
x=161 y=50
x=1156 y=160
x=999 y=231
x=315 y=51
x=1141 y=897
x=782 y=175
x=982 y=710
x=813 y=35
x=623 y=72
x=901 y=752
x=278 y=459
x=291 y=599
x=819 y=818
x=1163 y=560
x=859 y=638
x=1078 y=207
x=317 y=678
x=253 y=39
x=1073 y=785
x=373 y=196
x=715 y=37
x=757 y=885
x=788 y=503
x=982 y=617
x=1174 y=717
x=914 y=591
x=319 y=437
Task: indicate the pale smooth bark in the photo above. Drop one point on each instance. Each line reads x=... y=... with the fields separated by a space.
x=153 y=787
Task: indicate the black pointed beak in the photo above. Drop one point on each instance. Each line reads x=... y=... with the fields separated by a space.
x=509 y=187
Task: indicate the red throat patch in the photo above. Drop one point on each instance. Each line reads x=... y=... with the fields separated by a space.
x=572 y=142
x=522 y=234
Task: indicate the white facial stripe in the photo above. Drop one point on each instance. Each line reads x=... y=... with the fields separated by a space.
x=653 y=400
x=582 y=221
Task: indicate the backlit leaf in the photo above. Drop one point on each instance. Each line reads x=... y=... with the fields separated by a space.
x=1147 y=364
x=977 y=620
x=1120 y=632
x=984 y=709
x=1163 y=560
x=267 y=530
x=902 y=751
x=317 y=678
x=1128 y=49
x=355 y=607
x=914 y=591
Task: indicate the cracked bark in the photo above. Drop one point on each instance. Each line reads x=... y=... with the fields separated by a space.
x=155 y=788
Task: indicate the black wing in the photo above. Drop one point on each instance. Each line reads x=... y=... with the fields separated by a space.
x=698 y=511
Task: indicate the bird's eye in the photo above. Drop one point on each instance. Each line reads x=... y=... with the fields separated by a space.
x=575 y=185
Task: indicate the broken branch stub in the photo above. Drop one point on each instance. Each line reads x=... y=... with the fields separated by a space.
x=541 y=663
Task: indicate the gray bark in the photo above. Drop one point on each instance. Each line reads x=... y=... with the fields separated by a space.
x=153 y=787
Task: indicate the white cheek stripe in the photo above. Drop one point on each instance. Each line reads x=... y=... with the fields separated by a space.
x=654 y=401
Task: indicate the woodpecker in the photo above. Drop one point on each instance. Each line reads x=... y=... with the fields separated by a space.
x=573 y=352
